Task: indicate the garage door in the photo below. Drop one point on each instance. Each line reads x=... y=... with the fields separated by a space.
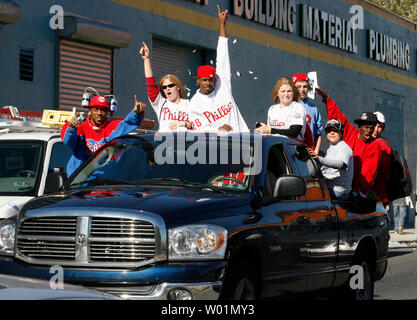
x=80 y=66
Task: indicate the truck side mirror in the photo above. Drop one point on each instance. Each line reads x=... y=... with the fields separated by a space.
x=54 y=181
x=288 y=186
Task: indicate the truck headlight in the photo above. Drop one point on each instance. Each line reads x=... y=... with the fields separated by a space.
x=197 y=242
x=7 y=236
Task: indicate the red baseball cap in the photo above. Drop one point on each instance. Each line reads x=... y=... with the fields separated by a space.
x=99 y=102
x=206 y=71
x=299 y=77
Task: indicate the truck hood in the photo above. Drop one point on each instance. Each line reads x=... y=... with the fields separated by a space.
x=10 y=206
x=172 y=204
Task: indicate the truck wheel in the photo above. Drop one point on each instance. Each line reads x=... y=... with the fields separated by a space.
x=367 y=292
x=240 y=283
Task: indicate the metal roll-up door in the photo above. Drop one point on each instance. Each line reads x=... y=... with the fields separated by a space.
x=80 y=66
x=180 y=60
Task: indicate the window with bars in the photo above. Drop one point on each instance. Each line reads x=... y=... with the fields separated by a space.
x=83 y=65
x=26 y=64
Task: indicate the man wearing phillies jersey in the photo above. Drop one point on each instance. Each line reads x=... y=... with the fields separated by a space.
x=213 y=105
x=313 y=115
x=366 y=151
x=87 y=137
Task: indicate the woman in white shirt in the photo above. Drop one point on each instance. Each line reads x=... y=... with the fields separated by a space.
x=288 y=117
x=168 y=100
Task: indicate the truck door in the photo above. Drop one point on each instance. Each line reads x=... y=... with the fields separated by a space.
x=321 y=220
x=287 y=269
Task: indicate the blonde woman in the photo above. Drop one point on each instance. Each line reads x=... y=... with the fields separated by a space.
x=168 y=100
x=287 y=116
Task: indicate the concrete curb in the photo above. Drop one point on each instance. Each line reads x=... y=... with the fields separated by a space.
x=408 y=239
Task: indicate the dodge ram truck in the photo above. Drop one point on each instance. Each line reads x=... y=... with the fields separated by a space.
x=199 y=216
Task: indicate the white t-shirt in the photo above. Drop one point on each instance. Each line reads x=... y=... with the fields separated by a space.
x=167 y=112
x=284 y=118
x=339 y=180
x=218 y=108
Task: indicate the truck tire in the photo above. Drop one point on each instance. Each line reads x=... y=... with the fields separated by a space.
x=240 y=283
x=367 y=292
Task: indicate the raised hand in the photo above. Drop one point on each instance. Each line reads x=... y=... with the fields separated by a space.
x=139 y=106
x=322 y=93
x=222 y=15
x=73 y=123
x=144 y=51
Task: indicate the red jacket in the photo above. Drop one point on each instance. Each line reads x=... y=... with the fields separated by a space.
x=368 y=157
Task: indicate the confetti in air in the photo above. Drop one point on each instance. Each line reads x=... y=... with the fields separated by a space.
x=188 y=94
x=255 y=78
x=237 y=73
x=194 y=50
x=211 y=61
x=234 y=41
x=189 y=72
x=250 y=72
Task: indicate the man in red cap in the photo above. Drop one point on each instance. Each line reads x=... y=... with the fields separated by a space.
x=213 y=103
x=313 y=115
x=87 y=137
x=366 y=151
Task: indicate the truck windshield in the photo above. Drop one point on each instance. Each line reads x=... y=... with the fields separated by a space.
x=20 y=167
x=206 y=162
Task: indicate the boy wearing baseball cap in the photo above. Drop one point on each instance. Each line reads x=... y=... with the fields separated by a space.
x=87 y=137
x=337 y=165
x=213 y=103
x=313 y=115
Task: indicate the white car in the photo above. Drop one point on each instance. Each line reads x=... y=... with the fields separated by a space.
x=30 y=159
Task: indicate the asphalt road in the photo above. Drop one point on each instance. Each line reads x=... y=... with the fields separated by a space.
x=400 y=280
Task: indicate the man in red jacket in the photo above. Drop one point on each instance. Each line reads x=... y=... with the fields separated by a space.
x=366 y=151
x=87 y=137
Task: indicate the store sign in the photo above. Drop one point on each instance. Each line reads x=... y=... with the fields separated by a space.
x=388 y=50
x=280 y=14
x=316 y=25
x=328 y=29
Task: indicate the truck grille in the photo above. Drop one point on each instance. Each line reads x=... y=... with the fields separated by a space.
x=121 y=240
x=88 y=241
x=48 y=238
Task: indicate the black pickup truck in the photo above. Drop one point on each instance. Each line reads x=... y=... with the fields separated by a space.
x=188 y=216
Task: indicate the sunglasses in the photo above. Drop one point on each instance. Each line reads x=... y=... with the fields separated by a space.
x=171 y=85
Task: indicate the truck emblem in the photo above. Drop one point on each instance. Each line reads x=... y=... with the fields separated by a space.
x=81 y=239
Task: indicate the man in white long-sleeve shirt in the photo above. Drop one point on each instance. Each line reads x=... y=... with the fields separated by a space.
x=213 y=104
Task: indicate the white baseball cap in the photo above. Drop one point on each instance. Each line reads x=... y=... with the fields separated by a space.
x=380 y=117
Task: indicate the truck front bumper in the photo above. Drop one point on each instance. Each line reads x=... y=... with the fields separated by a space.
x=166 y=280
x=174 y=291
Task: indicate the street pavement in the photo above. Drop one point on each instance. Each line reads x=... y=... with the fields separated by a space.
x=400 y=280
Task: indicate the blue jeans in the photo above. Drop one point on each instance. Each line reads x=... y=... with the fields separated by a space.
x=339 y=195
x=400 y=212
